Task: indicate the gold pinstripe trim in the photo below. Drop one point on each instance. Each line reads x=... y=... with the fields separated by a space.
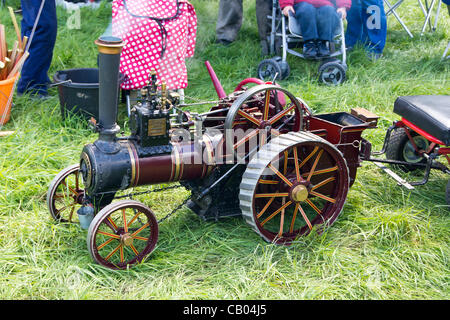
x=133 y=180
x=352 y=130
x=177 y=163
x=210 y=153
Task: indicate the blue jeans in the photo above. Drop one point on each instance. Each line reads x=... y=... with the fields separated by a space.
x=316 y=23
x=34 y=77
x=366 y=26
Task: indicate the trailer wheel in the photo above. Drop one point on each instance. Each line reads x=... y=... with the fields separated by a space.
x=296 y=182
x=122 y=234
x=400 y=148
x=65 y=194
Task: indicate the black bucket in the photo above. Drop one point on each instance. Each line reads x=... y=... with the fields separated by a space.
x=80 y=95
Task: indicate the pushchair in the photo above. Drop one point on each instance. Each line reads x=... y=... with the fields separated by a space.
x=285 y=36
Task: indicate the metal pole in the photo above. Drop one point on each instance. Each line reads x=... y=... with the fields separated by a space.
x=392 y=10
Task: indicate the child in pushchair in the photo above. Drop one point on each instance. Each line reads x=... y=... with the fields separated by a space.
x=318 y=25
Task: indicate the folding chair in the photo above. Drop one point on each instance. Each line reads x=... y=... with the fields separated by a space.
x=428 y=12
x=445 y=56
x=392 y=9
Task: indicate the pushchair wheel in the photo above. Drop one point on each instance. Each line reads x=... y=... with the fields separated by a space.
x=272 y=69
x=332 y=73
x=285 y=69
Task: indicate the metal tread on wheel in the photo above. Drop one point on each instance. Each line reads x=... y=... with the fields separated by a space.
x=295 y=182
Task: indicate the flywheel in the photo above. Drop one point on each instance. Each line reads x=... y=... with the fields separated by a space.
x=296 y=182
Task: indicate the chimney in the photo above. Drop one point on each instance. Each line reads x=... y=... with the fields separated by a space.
x=109 y=49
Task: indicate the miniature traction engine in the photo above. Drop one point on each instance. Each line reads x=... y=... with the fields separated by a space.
x=259 y=153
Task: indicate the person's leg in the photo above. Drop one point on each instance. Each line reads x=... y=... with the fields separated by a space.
x=353 y=33
x=263 y=9
x=305 y=14
x=229 y=20
x=34 y=77
x=375 y=25
x=327 y=20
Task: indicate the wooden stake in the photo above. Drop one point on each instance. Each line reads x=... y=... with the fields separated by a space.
x=16 y=27
x=19 y=55
x=18 y=65
x=8 y=68
x=3 y=47
x=14 y=52
x=24 y=43
x=3 y=71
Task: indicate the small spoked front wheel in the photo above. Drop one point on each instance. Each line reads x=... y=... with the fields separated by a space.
x=65 y=194
x=122 y=234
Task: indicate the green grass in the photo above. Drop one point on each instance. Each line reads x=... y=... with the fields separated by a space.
x=389 y=243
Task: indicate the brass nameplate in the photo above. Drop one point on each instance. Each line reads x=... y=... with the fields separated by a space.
x=156 y=127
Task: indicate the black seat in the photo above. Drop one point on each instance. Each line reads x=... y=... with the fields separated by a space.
x=429 y=113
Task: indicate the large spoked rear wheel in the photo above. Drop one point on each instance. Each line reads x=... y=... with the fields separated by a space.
x=296 y=182
x=65 y=194
x=122 y=234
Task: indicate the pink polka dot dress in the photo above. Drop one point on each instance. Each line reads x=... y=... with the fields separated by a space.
x=157 y=34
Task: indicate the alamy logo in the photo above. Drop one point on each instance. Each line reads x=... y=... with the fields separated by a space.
x=374 y=20
x=74 y=19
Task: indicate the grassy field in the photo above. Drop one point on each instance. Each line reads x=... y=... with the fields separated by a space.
x=388 y=243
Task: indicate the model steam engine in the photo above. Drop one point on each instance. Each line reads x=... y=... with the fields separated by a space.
x=259 y=152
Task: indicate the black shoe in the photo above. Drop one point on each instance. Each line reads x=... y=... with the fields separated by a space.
x=310 y=49
x=322 y=49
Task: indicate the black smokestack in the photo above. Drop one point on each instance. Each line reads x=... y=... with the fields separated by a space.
x=109 y=49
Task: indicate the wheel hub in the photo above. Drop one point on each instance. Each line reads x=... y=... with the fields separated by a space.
x=126 y=239
x=299 y=193
x=409 y=152
x=266 y=125
x=79 y=197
